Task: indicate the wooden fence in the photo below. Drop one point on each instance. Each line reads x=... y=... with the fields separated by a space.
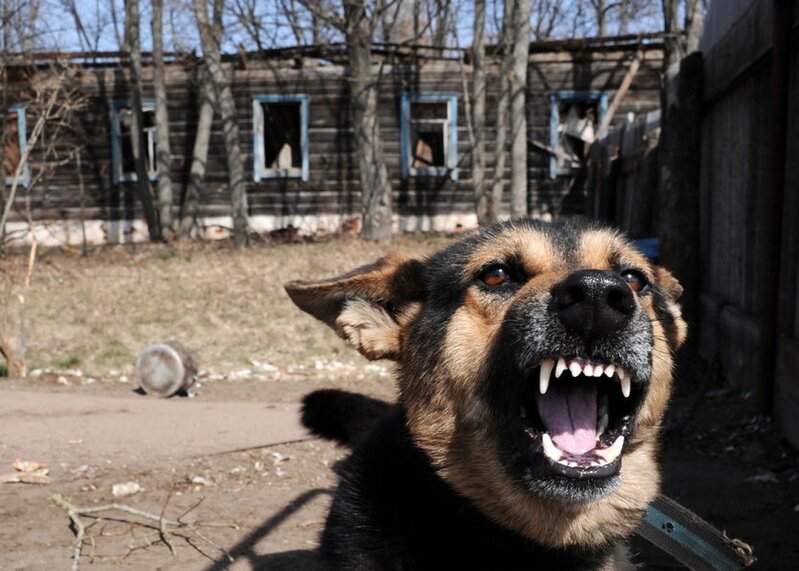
x=718 y=182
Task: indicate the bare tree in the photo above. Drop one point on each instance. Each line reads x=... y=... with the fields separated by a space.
x=547 y=16
x=52 y=99
x=191 y=204
x=376 y=190
x=518 y=108
x=133 y=46
x=210 y=40
x=163 y=149
x=486 y=212
x=503 y=105
x=681 y=39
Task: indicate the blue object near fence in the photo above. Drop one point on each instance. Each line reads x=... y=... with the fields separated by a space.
x=649 y=246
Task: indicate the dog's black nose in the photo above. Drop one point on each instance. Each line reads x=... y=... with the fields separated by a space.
x=593 y=302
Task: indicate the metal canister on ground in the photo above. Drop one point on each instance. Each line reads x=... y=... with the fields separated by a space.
x=166 y=369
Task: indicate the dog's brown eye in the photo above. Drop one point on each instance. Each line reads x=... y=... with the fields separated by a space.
x=635 y=279
x=495 y=276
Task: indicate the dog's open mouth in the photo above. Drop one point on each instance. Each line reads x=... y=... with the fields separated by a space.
x=579 y=412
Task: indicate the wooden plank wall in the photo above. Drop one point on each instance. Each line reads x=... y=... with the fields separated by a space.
x=333 y=185
x=623 y=177
x=787 y=389
x=737 y=162
x=735 y=168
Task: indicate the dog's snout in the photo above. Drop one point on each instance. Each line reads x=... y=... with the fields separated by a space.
x=593 y=302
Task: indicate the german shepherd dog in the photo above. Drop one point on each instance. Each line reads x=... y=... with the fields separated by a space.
x=534 y=365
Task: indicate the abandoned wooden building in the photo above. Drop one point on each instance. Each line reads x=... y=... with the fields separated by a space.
x=296 y=137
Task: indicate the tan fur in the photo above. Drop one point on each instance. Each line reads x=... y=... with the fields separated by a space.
x=459 y=445
x=537 y=253
x=370 y=329
x=447 y=419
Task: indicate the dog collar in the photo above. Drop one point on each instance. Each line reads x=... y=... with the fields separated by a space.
x=691 y=540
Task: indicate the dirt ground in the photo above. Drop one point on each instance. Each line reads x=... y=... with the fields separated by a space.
x=235 y=458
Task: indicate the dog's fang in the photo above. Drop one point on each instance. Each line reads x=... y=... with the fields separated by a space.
x=625 y=385
x=610 y=454
x=546 y=370
x=609 y=370
x=550 y=450
x=560 y=367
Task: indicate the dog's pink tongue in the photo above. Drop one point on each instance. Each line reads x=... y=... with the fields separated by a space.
x=568 y=410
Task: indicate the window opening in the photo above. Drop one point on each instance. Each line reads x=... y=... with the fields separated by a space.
x=575 y=119
x=281 y=136
x=125 y=163
x=429 y=134
x=282 y=124
x=14 y=145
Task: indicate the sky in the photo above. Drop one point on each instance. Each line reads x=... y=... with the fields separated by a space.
x=58 y=32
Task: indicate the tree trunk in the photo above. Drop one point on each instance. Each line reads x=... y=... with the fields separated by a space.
x=694 y=22
x=376 y=188
x=486 y=213
x=600 y=11
x=191 y=203
x=230 y=128
x=673 y=49
x=164 y=152
x=500 y=148
x=14 y=368
x=518 y=110
x=137 y=143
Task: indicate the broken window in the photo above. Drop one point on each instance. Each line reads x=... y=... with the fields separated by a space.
x=429 y=134
x=14 y=142
x=280 y=125
x=122 y=141
x=574 y=121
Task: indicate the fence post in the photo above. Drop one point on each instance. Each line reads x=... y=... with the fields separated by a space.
x=677 y=212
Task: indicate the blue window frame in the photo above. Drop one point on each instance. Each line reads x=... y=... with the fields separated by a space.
x=16 y=134
x=573 y=119
x=429 y=135
x=280 y=136
x=122 y=161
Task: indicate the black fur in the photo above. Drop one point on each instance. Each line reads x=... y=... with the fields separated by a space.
x=341 y=416
x=393 y=512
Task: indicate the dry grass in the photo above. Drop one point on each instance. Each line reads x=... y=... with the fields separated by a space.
x=227 y=306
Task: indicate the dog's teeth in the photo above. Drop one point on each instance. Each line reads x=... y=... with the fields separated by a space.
x=575 y=369
x=560 y=367
x=598 y=370
x=550 y=450
x=602 y=416
x=610 y=454
x=625 y=386
x=588 y=370
x=609 y=370
x=546 y=370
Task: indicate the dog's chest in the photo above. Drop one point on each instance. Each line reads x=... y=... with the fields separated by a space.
x=393 y=512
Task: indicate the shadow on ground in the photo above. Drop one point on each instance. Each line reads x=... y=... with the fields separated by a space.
x=294 y=560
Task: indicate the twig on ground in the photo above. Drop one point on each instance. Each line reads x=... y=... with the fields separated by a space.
x=76 y=512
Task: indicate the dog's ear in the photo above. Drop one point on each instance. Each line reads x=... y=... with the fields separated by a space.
x=367 y=306
x=668 y=283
